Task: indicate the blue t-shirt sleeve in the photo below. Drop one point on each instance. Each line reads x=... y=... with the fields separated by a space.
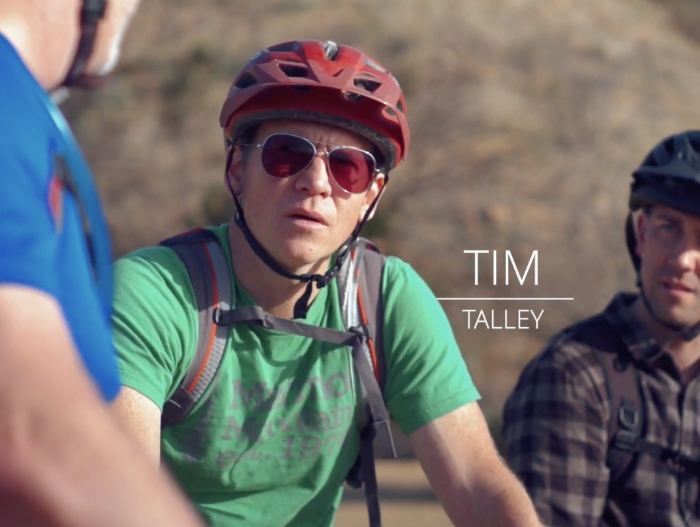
x=42 y=240
x=28 y=240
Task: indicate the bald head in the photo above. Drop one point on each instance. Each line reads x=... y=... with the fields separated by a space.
x=46 y=33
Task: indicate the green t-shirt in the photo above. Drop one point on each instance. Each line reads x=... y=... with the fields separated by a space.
x=272 y=441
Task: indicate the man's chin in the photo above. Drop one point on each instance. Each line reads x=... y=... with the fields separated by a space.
x=680 y=318
x=304 y=261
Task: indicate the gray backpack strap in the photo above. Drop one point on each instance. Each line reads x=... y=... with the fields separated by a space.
x=208 y=270
x=370 y=302
x=355 y=338
x=360 y=285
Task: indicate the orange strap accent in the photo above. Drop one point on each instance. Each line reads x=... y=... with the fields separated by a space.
x=370 y=341
x=212 y=333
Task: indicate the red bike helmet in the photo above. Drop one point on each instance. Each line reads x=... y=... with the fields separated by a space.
x=317 y=81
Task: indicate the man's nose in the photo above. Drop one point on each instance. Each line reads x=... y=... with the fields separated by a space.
x=686 y=255
x=316 y=178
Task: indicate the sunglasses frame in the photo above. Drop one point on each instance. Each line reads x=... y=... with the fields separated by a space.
x=326 y=153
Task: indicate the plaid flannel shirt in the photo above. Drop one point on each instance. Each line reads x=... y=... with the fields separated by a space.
x=556 y=434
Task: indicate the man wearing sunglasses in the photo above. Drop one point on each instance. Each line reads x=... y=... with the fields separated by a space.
x=312 y=130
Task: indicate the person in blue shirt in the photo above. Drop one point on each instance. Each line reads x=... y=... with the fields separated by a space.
x=64 y=459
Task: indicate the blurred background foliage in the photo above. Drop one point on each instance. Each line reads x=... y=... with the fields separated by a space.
x=527 y=119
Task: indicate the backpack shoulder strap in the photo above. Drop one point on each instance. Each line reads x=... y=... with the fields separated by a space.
x=207 y=267
x=371 y=307
x=361 y=311
x=627 y=422
x=360 y=285
x=627 y=416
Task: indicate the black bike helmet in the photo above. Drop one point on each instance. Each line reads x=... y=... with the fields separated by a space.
x=669 y=175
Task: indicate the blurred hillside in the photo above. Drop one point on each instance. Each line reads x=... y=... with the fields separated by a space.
x=527 y=119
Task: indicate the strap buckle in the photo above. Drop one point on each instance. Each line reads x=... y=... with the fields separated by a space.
x=676 y=462
x=628 y=416
x=362 y=331
x=625 y=440
x=681 y=463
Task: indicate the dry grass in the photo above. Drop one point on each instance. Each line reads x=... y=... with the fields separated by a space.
x=527 y=119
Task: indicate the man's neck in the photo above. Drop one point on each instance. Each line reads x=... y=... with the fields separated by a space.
x=685 y=354
x=274 y=293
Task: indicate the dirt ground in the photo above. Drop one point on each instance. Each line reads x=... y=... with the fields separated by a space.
x=405 y=496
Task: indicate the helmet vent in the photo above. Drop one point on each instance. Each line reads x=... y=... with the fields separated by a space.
x=399 y=106
x=352 y=96
x=284 y=47
x=331 y=50
x=291 y=70
x=246 y=80
x=367 y=84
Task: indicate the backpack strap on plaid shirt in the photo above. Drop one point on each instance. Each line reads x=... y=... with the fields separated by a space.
x=627 y=424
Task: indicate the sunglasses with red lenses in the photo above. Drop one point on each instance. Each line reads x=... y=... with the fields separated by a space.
x=284 y=155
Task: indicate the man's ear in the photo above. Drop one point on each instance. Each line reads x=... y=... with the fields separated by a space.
x=234 y=175
x=640 y=233
x=375 y=190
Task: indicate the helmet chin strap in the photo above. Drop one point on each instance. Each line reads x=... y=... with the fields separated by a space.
x=302 y=305
x=92 y=12
x=687 y=333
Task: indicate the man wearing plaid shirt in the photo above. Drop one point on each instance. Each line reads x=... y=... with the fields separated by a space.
x=588 y=454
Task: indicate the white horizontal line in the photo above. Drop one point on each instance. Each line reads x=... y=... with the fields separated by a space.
x=505 y=298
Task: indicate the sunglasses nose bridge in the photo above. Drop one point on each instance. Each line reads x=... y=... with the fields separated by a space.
x=325 y=157
x=318 y=152
x=313 y=173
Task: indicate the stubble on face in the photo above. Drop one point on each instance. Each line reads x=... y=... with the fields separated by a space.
x=290 y=241
x=669 y=271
